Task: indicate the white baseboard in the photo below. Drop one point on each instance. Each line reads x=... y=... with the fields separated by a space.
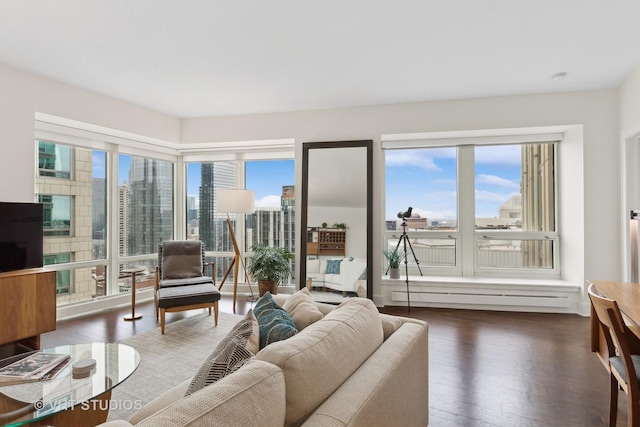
x=502 y=295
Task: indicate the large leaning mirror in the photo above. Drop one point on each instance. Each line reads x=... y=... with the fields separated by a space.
x=336 y=219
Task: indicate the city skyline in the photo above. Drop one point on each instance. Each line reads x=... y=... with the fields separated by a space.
x=422 y=179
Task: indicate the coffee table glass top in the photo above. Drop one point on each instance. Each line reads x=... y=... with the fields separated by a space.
x=114 y=363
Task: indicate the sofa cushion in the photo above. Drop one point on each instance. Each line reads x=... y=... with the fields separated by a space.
x=227 y=357
x=302 y=309
x=188 y=281
x=177 y=296
x=253 y=395
x=334 y=347
x=274 y=322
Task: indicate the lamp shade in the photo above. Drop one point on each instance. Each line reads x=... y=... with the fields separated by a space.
x=236 y=201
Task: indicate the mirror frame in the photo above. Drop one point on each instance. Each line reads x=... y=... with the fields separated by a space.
x=306 y=146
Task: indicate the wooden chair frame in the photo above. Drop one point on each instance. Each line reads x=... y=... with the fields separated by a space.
x=618 y=342
x=161 y=312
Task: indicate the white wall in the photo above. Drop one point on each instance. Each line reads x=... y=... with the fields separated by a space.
x=630 y=105
x=24 y=94
x=630 y=157
x=590 y=205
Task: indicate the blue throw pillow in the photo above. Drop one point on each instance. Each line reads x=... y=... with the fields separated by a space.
x=274 y=323
x=333 y=266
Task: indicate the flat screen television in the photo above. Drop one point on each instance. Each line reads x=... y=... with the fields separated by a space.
x=21 y=236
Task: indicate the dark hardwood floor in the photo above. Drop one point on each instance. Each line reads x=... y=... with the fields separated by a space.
x=485 y=368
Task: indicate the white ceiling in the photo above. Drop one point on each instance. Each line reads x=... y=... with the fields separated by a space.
x=194 y=58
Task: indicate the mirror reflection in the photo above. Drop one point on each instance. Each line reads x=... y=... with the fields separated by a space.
x=336 y=221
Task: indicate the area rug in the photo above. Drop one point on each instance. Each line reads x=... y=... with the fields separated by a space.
x=167 y=360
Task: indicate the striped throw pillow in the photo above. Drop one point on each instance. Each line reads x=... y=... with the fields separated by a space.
x=228 y=356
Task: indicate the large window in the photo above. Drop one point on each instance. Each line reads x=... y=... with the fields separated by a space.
x=109 y=201
x=272 y=224
x=477 y=210
x=71 y=186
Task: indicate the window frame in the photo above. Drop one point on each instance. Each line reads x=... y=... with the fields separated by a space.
x=112 y=146
x=240 y=220
x=466 y=236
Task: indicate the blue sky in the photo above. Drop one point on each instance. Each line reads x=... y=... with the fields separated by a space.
x=266 y=178
x=426 y=180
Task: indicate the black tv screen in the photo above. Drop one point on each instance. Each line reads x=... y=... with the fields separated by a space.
x=21 y=241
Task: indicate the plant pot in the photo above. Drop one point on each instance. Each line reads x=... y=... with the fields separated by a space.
x=267 y=286
x=394 y=273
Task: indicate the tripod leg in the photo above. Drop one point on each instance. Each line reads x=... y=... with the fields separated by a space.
x=415 y=258
x=405 y=239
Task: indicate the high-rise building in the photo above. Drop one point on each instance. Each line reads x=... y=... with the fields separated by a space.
x=288 y=203
x=98 y=214
x=192 y=211
x=150 y=204
x=213 y=230
x=123 y=219
x=212 y=225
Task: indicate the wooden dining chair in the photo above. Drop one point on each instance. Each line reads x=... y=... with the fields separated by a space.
x=623 y=365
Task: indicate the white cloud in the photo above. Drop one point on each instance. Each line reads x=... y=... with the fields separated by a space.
x=497 y=181
x=492 y=197
x=499 y=155
x=268 y=201
x=416 y=158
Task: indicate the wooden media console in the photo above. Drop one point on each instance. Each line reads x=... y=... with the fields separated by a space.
x=27 y=306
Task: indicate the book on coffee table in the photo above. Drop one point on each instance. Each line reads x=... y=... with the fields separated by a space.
x=34 y=367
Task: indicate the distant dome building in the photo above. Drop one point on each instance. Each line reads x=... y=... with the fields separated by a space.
x=512 y=208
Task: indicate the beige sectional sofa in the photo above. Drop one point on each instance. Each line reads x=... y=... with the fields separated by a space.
x=354 y=367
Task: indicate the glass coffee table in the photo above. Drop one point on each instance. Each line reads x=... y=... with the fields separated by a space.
x=66 y=400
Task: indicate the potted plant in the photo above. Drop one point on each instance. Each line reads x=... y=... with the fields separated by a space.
x=270 y=267
x=394 y=257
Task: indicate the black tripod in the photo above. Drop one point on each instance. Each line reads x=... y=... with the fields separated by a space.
x=405 y=241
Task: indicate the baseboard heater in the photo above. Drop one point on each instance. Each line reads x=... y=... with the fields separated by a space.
x=558 y=301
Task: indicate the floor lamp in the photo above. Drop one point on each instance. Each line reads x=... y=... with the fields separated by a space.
x=235 y=201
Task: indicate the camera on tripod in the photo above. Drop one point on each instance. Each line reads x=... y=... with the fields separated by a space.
x=405 y=215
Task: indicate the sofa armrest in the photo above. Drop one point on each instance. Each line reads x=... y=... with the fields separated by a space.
x=389 y=388
x=350 y=272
